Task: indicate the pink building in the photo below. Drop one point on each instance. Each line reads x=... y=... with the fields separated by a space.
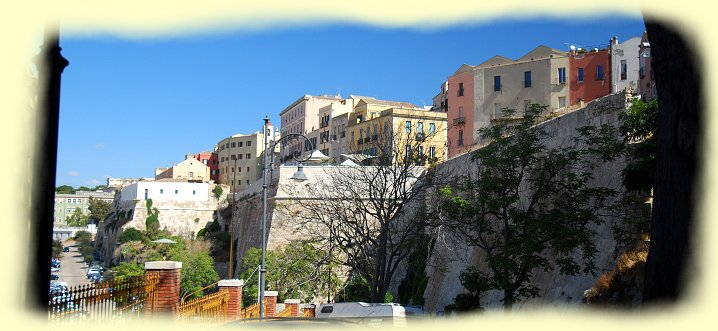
x=209 y=159
x=460 y=113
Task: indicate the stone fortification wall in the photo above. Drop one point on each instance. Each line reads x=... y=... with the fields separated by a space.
x=451 y=256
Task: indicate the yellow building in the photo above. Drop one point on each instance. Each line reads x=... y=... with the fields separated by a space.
x=190 y=169
x=378 y=128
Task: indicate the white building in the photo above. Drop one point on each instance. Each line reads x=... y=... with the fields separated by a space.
x=624 y=64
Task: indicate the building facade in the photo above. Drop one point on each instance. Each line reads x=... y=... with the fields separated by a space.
x=65 y=204
x=209 y=159
x=477 y=94
x=591 y=75
x=624 y=64
x=379 y=127
x=190 y=169
x=240 y=158
x=646 y=81
x=302 y=117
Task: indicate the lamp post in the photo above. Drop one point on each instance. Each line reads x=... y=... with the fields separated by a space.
x=299 y=175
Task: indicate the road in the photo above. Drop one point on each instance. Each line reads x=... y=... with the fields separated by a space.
x=72 y=266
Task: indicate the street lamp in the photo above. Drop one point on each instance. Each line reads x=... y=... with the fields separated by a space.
x=299 y=175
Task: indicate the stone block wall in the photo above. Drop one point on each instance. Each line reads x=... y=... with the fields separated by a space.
x=451 y=256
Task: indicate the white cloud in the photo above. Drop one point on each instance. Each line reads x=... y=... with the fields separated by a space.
x=73 y=173
x=100 y=146
x=93 y=181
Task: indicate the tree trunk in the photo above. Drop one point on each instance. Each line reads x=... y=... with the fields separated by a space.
x=678 y=135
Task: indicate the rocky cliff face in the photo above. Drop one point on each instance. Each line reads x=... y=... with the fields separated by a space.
x=451 y=256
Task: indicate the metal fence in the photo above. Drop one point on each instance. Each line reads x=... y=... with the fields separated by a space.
x=105 y=301
x=207 y=309
x=251 y=311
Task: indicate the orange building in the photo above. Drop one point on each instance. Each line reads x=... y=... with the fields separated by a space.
x=590 y=75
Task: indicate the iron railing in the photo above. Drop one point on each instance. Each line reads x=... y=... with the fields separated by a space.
x=251 y=311
x=207 y=309
x=105 y=301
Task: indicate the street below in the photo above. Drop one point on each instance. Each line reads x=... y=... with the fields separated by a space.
x=73 y=267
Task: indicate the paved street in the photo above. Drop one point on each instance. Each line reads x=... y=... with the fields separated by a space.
x=73 y=268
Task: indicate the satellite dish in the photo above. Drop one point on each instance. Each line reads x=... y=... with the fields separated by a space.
x=572 y=47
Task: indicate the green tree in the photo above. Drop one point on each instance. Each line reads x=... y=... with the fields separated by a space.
x=299 y=270
x=78 y=218
x=152 y=223
x=126 y=270
x=639 y=124
x=84 y=188
x=99 y=209
x=65 y=189
x=197 y=272
x=130 y=234
x=56 y=248
x=99 y=187
x=528 y=206
x=217 y=191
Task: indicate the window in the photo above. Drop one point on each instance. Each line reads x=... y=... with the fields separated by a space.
x=561 y=102
x=579 y=77
x=460 y=92
x=432 y=152
x=407 y=124
x=249 y=156
x=408 y=152
x=599 y=72
x=249 y=143
x=176 y=191
x=420 y=150
x=205 y=161
x=240 y=143
x=497 y=83
x=432 y=128
x=239 y=169
x=233 y=145
x=232 y=157
x=562 y=75
x=194 y=192
x=624 y=70
x=162 y=191
x=461 y=111
x=527 y=78
x=232 y=169
x=247 y=169
x=461 y=137
x=146 y=194
x=227 y=145
x=420 y=127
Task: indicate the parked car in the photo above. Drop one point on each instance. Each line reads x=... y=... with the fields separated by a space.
x=54 y=276
x=66 y=249
x=53 y=269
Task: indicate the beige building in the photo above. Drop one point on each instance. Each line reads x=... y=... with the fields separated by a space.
x=190 y=169
x=240 y=158
x=378 y=127
x=302 y=116
x=331 y=135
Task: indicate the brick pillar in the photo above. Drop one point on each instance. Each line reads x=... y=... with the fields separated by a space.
x=234 y=286
x=168 y=288
x=270 y=303
x=293 y=305
x=309 y=310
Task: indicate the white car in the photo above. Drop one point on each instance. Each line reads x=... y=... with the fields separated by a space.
x=53 y=269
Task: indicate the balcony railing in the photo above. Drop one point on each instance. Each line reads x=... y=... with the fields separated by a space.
x=459 y=120
x=420 y=136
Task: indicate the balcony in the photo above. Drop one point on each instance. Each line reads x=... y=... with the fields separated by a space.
x=420 y=136
x=459 y=120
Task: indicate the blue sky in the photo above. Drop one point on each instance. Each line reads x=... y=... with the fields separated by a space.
x=131 y=105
